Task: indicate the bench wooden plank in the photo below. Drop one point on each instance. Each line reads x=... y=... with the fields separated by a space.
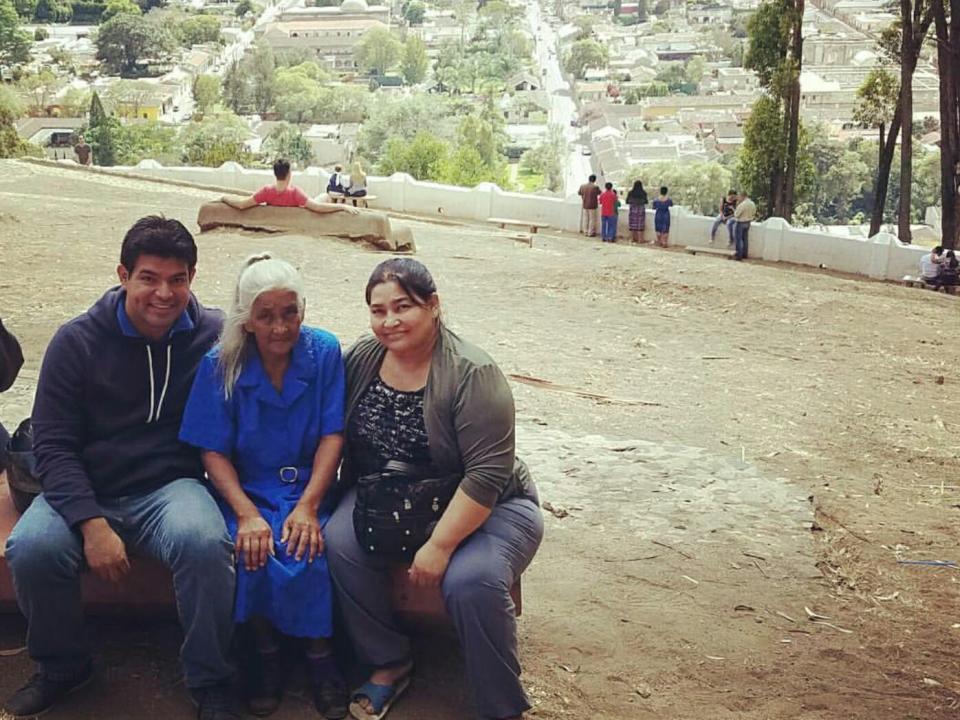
x=336 y=197
x=148 y=589
x=503 y=222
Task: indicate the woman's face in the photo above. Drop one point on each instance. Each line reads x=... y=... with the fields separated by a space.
x=400 y=324
x=275 y=323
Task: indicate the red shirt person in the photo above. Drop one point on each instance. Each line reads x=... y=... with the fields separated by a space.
x=283 y=193
x=608 y=201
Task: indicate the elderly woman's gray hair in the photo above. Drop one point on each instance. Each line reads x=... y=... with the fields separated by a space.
x=259 y=274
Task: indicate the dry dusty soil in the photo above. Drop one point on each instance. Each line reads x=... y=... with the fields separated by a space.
x=752 y=443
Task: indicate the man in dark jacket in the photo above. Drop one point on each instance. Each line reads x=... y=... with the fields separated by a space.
x=115 y=477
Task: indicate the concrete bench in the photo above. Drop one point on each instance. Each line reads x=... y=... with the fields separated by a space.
x=503 y=222
x=148 y=589
x=336 y=197
x=716 y=251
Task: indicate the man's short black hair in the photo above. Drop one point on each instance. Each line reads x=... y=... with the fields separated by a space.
x=593 y=178
x=608 y=186
x=158 y=236
x=281 y=169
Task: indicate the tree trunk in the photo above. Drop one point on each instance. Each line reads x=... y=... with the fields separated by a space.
x=908 y=63
x=948 y=38
x=793 y=140
x=887 y=148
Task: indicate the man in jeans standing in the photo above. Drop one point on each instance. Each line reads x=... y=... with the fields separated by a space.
x=589 y=194
x=745 y=214
x=116 y=478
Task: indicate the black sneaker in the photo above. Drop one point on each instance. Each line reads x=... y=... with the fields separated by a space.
x=216 y=702
x=267 y=685
x=41 y=693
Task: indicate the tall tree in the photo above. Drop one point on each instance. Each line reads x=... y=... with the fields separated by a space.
x=776 y=54
x=947 y=18
x=414 y=64
x=14 y=42
x=378 y=51
x=915 y=19
x=125 y=40
x=878 y=102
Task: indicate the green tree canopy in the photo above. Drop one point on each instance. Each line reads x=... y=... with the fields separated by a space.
x=215 y=140
x=586 y=54
x=199 y=29
x=206 y=92
x=414 y=12
x=414 y=64
x=698 y=185
x=425 y=157
x=378 y=51
x=14 y=42
x=126 y=40
x=286 y=141
x=119 y=7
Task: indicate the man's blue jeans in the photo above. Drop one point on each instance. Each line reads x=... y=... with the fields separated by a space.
x=608 y=227
x=180 y=525
x=717 y=222
x=741 y=241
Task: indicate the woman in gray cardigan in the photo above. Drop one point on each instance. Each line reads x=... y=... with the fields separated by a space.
x=418 y=393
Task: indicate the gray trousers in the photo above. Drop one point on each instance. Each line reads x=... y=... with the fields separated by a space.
x=476 y=590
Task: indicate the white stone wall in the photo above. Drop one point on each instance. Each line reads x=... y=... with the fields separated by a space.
x=881 y=257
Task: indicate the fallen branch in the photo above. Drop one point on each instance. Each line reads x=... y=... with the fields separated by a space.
x=570 y=390
x=671 y=547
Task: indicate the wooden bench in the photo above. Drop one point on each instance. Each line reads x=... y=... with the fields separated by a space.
x=915 y=281
x=716 y=251
x=336 y=197
x=148 y=589
x=503 y=222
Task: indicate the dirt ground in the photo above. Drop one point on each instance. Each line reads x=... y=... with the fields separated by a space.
x=768 y=443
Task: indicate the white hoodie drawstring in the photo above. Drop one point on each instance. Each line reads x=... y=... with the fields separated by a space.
x=154 y=416
x=150 y=372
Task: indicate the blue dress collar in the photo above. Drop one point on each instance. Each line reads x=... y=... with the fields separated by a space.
x=303 y=368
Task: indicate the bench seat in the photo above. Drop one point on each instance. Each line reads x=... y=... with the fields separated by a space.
x=706 y=250
x=148 y=589
x=336 y=197
x=503 y=222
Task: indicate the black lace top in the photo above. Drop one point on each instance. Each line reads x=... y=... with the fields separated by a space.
x=387 y=425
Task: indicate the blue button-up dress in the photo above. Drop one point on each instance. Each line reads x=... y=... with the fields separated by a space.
x=266 y=434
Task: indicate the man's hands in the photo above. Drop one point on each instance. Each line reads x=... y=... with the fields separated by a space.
x=349 y=209
x=104 y=550
x=254 y=541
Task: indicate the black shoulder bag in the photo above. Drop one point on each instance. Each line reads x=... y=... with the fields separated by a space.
x=398 y=507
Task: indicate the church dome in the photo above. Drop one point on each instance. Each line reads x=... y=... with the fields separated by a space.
x=353 y=6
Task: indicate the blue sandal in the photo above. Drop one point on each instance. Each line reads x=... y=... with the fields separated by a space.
x=381 y=698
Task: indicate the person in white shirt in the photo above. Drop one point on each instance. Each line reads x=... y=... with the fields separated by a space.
x=931 y=265
x=745 y=214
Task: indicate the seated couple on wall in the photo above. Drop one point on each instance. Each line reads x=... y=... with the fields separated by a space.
x=213 y=445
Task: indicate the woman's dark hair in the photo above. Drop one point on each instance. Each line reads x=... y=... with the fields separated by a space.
x=938 y=249
x=663 y=189
x=637 y=190
x=411 y=275
x=281 y=169
x=158 y=236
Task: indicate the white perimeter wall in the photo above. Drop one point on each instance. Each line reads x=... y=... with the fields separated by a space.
x=881 y=257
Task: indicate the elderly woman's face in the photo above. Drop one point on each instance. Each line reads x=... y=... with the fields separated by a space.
x=400 y=324
x=275 y=323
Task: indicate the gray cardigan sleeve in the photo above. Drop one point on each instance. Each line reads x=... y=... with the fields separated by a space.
x=484 y=421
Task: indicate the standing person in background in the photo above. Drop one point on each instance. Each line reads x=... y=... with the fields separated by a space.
x=661 y=218
x=637 y=201
x=83 y=151
x=589 y=194
x=745 y=214
x=608 y=213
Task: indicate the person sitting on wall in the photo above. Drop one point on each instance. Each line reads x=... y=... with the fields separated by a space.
x=930 y=267
x=283 y=193
x=335 y=185
x=727 y=206
x=949 y=270
x=358 y=182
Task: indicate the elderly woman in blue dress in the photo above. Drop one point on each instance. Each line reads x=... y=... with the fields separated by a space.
x=266 y=410
x=432 y=481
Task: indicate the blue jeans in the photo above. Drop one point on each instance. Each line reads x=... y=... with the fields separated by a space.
x=740 y=239
x=180 y=525
x=718 y=221
x=608 y=227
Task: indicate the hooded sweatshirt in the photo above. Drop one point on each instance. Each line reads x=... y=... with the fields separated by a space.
x=109 y=404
